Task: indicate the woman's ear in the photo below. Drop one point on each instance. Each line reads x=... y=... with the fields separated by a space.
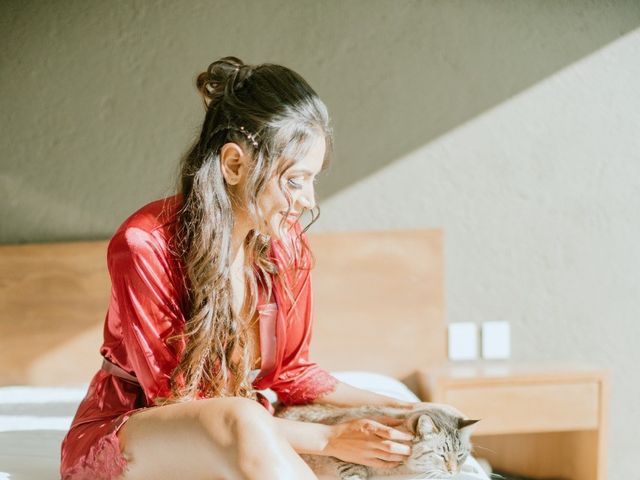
x=232 y=163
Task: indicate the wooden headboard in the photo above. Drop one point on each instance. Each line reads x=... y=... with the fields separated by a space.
x=378 y=303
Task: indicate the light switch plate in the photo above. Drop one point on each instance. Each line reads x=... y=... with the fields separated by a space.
x=496 y=340
x=463 y=341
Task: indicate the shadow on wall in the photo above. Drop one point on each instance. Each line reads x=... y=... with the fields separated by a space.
x=457 y=60
x=395 y=75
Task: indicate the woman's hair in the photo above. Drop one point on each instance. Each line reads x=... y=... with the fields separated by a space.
x=275 y=115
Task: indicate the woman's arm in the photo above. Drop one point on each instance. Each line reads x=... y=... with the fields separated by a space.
x=304 y=437
x=361 y=440
x=345 y=395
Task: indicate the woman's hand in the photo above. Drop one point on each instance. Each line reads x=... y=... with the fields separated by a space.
x=368 y=442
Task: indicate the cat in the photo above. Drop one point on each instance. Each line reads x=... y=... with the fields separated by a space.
x=440 y=445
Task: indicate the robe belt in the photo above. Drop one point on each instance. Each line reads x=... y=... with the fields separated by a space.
x=115 y=370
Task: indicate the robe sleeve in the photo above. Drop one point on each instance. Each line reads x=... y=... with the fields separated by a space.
x=145 y=303
x=300 y=380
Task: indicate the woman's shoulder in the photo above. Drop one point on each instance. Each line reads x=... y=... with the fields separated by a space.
x=152 y=222
x=154 y=215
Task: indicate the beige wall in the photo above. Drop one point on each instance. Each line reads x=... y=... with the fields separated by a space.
x=512 y=125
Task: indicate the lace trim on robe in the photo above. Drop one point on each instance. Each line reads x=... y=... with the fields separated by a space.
x=104 y=461
x=308 y=388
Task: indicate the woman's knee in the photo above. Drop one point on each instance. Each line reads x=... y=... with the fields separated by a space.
x=210 y=438
x=235 y=414
x=261 y=451
x=235 y=437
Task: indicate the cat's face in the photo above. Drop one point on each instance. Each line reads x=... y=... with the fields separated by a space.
x=441 y=443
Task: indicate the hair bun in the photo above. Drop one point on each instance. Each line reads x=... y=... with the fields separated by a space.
x=227 y=73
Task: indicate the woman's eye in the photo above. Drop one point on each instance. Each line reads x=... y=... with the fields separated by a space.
x=295 y=184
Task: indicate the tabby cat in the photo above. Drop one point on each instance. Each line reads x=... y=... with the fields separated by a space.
x=440 y=445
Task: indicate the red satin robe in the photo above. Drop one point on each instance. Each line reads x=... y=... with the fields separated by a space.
x=147 y=305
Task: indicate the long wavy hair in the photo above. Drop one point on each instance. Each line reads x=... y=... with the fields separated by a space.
x=273 y=113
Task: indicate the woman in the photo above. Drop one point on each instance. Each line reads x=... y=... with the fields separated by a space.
x=211 y=300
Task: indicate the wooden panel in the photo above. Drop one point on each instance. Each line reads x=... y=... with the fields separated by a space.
x=528 y=408
x=533 y=398
x=603 y=431
x=378 y=305
x=53 y=299
x=566 y=455
x=378 y=301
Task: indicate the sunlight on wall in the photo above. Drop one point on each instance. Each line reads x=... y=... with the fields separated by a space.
x=540 y=194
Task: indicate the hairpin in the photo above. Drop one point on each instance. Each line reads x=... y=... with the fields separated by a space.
x=241 y=129
x=250 y=136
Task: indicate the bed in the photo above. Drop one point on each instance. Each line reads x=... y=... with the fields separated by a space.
x=379 y=316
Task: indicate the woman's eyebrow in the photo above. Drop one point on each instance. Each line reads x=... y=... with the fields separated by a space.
x=302 y=170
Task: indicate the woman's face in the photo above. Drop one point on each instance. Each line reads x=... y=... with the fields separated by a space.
x=298 y=181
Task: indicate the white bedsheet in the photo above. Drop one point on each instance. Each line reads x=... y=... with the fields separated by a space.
x=34 y=420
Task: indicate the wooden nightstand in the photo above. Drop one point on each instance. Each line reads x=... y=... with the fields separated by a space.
x=538 y=421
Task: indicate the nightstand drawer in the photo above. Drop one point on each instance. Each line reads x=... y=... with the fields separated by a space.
x=528 y=407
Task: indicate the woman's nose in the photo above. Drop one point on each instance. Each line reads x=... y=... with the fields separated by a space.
x=307 y=199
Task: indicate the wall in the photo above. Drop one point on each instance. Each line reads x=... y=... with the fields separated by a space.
x=511 y=125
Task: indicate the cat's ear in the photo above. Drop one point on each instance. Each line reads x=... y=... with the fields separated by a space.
x=466 y=426
x=466 y=422
x=421 y=423
x=425 y=425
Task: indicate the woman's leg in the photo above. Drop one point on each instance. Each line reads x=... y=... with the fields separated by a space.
x=212 y=439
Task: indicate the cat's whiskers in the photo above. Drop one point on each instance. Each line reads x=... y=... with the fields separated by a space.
x=483 y=448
